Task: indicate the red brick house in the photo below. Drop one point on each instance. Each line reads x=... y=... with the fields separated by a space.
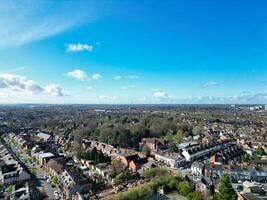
x=137 y=164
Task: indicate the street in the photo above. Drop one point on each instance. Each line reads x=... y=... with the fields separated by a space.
x=41 y=182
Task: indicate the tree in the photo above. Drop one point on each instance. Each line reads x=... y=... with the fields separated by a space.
x=260 y=151
x=226 y=191
x=17 y=154
x=183 y=188
x=117 y=165
x=194 y=196
x=246 y=158
x=173 y=148
x=197 y=130
x=178 y=137
x=153 y=172
x=9 y=189
x=120 y=177
x=54 y=180
x=146 y=151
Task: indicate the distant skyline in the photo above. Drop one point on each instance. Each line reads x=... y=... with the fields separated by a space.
x=133 y=52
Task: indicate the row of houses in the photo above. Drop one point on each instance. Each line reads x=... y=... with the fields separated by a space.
x=173 y=160
x=11 y=171
x=130 y=159
x=31 y=141
x=236 y=172
x=193 y=152
x=72 y=180
x=205 y=150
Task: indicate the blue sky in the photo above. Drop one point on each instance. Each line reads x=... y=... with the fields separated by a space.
x=133 y=51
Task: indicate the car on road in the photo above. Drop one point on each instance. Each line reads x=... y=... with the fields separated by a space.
x=2 y=190
x=56 y=194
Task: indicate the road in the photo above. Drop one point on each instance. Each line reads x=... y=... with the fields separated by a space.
x=41 y=182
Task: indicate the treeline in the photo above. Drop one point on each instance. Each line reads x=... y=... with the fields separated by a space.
x=162 y=179
x=127 y=133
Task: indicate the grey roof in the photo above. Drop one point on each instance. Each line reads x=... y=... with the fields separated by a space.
x=43 y=136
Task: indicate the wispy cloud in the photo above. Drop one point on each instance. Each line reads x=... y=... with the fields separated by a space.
x=127 y=87
x=96 y=77
x=132 y=77
x=18 y=69
x=78 y=47
x=27 y=21
x=118 y=77
x=106 y=97
x=243 y=97
x=210 y=84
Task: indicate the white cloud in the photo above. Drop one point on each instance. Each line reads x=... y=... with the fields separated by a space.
x=210 y=84
x=96 y=77
x=81 y=75
x=118 y=77
x=127 y=87
x=32 y=20
x=132 y=77
x=55 y=90
x=243 y=97
x=160 y=95
x=78 y=47
x=105 y=97
x=78 y=74
x=14 y=85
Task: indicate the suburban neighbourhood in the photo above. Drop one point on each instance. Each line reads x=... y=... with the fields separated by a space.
x=133 y=100
x=40 y=164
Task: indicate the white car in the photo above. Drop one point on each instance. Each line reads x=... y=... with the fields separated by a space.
x=57 y=195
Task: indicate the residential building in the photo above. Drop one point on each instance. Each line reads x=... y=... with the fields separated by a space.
x=154 y=144
x=73 y=182
x=197 y=168
x=171 y=159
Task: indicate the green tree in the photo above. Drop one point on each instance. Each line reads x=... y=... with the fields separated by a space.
x=246 y=158
x=146 y=151
x=183 y=188
x=17 y=154
x=197 y=130
x=153 y=172
x=260 y=151
x=226 y=191
x=119 y=177
x=9 y=189
x=173 y=148
x=178 y=137
x=25 y=161
x=194 y=196
x=54 y=180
